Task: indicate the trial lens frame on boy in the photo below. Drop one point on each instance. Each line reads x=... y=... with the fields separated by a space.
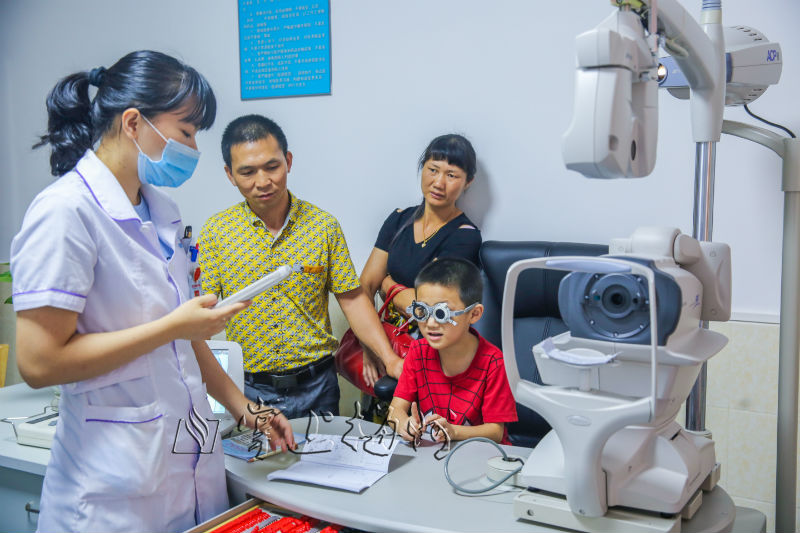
x=441 y=312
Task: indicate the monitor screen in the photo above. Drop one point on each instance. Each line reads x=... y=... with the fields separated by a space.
x=222 y=357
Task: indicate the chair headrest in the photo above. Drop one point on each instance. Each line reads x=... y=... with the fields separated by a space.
x=541 y=286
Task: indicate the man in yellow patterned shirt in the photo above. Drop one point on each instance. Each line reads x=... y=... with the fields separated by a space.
x=285 y=333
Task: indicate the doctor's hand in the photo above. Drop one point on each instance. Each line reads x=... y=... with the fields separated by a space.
x=275 y=426
x=197 y=320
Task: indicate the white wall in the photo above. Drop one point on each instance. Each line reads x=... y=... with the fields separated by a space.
x=501 y=73
x=403 y=72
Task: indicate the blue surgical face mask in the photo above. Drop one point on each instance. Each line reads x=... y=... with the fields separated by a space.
x=176 y=165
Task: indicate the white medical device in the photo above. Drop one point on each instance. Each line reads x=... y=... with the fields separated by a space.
x=257 y=287
x=614 y=383
x=39 y=430
x=752 y=64
x=614 y=127
x=612 y=134
x=616 y=67
x=229 y=355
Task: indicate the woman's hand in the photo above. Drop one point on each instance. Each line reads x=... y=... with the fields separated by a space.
x=273 y=424
x=278 y=432
x=197 y=320
x=372 y=367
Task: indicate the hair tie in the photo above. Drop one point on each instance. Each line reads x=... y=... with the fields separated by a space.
x=96 y=76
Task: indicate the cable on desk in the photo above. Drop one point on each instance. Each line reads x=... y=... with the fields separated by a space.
x=496 y=483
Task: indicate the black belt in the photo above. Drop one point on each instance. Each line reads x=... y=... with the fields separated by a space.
x=294 y=377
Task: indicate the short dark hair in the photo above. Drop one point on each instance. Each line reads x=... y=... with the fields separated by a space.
x=454 y=272
x=250 y=128
x=455 y=149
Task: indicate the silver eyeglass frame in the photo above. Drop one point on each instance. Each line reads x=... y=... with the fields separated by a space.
x=433 y=309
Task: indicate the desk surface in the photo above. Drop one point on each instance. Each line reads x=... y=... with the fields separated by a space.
x=414 y=496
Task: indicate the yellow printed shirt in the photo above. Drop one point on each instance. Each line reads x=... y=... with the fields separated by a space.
x=287 y=326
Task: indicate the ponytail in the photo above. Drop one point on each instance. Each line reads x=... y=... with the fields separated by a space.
x=416 y=215
x=69 y=123
x=152 y=82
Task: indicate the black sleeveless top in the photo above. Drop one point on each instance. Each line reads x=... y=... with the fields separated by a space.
x=406 y=257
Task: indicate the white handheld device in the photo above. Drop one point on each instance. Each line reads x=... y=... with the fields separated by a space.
x=257 y=287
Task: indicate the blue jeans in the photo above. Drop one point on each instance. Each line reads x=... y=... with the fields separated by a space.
x=320 y=394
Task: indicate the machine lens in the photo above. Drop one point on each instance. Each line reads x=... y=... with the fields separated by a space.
x=616 y=298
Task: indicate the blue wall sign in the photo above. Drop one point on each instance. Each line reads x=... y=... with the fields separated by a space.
x=284 y=48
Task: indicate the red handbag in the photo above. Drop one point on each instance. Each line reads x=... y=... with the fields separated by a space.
x=348 y=356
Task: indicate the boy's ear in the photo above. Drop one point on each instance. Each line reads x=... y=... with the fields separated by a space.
x=476 y=313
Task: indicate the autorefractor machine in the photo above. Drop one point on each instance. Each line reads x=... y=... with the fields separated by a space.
x=615 y=382
x=616 y=459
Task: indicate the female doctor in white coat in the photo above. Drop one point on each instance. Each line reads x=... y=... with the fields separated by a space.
x=103 y=308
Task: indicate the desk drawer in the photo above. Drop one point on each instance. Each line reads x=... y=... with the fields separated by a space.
x=19 y=500
x=254 y=515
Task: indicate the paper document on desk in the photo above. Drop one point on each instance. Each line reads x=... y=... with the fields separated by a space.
x=349 y=463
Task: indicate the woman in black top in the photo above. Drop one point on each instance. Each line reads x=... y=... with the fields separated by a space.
x=413 y=237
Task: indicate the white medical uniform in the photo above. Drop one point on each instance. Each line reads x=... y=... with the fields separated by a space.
x=122 y=459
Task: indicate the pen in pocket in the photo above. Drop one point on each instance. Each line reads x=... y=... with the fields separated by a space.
x=186 y=241
x=309 y=269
